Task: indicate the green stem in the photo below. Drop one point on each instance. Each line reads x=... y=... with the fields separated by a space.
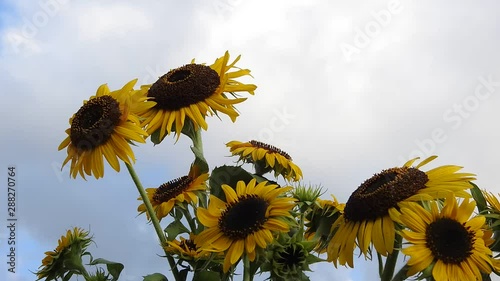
x=200 y=160
x=380 y=265
x=85 y=273
x=401 y=274
x=390 y=262
x=81 y=270
x=301 y=227
x=246 y=269
x=154 y=220
x=189 y=218
x=197 y=140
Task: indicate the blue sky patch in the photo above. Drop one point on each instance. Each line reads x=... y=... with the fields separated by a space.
x=8 y=14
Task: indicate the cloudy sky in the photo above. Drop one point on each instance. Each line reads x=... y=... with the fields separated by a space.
x=346 y=89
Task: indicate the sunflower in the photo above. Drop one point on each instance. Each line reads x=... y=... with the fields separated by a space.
x=494 y=204
x=319 y=220
x=104 y=126
x=247 y=219
x=289 y=261
x=366 y=221
x=186 y=249
x=492 y=211
x=183 y=189
x=194 y=91
x=67 y=253
x=266 y=157
x=330 y=205
x=446 y=240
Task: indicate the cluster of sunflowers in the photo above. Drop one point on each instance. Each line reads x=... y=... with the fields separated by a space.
x=220 y=218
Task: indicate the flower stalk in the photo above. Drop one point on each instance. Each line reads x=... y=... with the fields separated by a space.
x=390 y=262
x=189 y=219
x=401 y=274
x=197 y=141
x=246 y=269
x=154 y=219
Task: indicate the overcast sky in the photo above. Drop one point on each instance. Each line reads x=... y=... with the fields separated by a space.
x=346 y=89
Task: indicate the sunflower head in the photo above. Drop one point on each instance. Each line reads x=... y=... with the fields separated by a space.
x=186 y=249
x=246 y=221
x=493 y=205
x=266 y=158
x=177 y=191
x=67 y=255
x=366 y=221
x=288 y=259
x=306 y=196
x=320 y=219
x=105 y=126
x=492 y=209
x=192 y=92
x=383 y=191
x=446 y=242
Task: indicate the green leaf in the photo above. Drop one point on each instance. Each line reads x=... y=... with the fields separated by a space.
x=308 y=245
x=155 y=137
x=486 y=277
x=260 y=179
x=495 y=224
x=177 y=213
x=304 y=277
x=311 y=258
x=188 y=129
x=496 y=245
x=87 y=254
x=155 y=277
x=67 y=276
x=478 y=197
x=206 y=276
x=229 y=175
x=114 y=268
x=266 y=267
x=175 y=228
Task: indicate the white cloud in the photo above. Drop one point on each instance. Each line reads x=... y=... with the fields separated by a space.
x=111 y=21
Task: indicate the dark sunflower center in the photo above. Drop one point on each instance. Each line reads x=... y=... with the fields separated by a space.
x=184 y=86
x=188 y=245
x=291 y=256
x=449 y=240
x=270 y=148
x=178 y=75
x=171 y=189
x=95 y=122
x=383 y=191
x=243 y=217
